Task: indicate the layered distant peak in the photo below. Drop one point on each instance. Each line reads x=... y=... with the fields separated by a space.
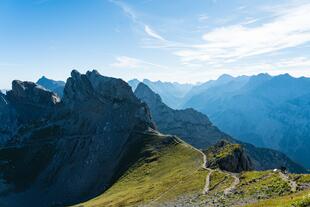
x=52 y=83
x=134 y=84
x=192 y=126
x=31 y=93
x=55 y=86
x=225 y=77
x=146 y=94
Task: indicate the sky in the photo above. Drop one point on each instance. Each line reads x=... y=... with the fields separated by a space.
x=187 y=41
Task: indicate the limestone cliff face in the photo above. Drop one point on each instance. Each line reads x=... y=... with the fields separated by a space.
x=78 y=148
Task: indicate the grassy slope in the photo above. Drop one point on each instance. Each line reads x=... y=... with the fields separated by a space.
x=168 y=168
x=219 y=181
x=300 y=199
x=262 y=184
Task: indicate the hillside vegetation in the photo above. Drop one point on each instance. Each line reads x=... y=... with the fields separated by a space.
x=168 y=168
x=170 y=173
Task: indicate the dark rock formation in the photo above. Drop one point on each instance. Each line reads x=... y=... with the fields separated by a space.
x=31 y=93
x=91 y=134
x=228 y=157
x=30 y=101
x=8 y=120
x=196 y=129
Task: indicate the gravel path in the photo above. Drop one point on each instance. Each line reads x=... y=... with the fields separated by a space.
x=233 y=186
x=207 y=185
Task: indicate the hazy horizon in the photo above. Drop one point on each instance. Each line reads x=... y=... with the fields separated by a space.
x=153 y=80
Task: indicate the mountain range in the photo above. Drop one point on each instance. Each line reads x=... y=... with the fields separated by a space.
x=101 y=144
x=196 y=129
x=267 y=111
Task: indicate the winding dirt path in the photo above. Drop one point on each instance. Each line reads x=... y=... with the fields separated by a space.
x=206 y=189
x=207 y=185
x=233 y=186
x=292 y=183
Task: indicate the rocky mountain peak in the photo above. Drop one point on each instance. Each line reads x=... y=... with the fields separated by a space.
x=96 y=131
x=82 y=87
x=92 y=94
x=31 y=93
x=146 y=94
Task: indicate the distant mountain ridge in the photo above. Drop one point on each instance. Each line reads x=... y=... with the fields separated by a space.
x=172 y=93
x=98 y=145
x=196 y=129
x=55 y=86
x=242 y=107
x=267 y=111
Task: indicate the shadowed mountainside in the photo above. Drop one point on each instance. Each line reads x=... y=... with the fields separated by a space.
x=90 y=134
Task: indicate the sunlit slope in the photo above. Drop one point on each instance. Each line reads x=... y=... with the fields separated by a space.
x=300 y=199
x=167 y=168
x=170 y=172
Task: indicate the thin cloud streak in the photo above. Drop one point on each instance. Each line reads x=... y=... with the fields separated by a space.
x=129 y=62
x=289 y=28
x=152 y=33
x=134 y=17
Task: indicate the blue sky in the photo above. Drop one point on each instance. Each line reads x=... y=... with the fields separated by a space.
x=170 y=40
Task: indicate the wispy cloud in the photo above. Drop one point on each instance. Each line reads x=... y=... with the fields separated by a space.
x=152 y=33
x=134 y=17
x=291 y=28
x=130 y=62
x=126 y=9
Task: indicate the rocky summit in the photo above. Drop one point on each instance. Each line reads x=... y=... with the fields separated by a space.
x=71 y=150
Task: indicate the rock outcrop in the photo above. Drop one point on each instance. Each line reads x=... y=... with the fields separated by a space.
x=228 y=157
x=92 y=134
